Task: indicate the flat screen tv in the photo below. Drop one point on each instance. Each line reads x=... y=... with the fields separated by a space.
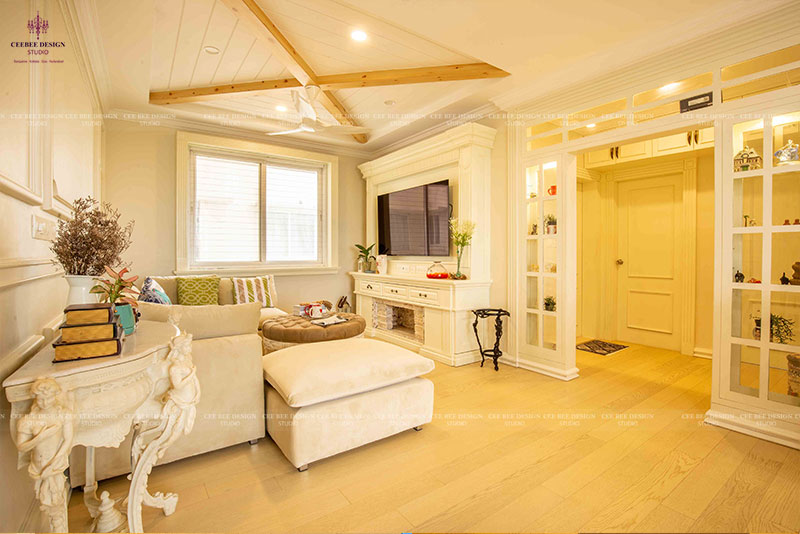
x=415 y=222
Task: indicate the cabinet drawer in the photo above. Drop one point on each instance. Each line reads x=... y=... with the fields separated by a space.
x=395 y=291
x=428 y=295
x=370 y=287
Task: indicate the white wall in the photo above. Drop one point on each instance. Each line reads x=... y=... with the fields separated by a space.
x=139 y=180
x=30 y=295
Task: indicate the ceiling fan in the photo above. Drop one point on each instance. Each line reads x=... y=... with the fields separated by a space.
x=308 y=117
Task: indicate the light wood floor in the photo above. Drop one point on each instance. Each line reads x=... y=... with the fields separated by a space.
x=622 y=448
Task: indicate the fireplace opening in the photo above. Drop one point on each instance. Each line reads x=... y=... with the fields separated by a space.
x=399 y=318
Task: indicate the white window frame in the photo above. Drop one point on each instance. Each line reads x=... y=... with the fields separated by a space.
x=327 y=166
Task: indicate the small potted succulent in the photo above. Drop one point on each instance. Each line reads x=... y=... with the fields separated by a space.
x=121 y=292
x=550 y=304
x=551 y=223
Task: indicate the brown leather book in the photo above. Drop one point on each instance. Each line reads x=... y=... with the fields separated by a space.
x=88 y=313
x=74 y=333
x=82 y=350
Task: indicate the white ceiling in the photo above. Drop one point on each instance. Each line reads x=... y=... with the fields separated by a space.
x=158 y=45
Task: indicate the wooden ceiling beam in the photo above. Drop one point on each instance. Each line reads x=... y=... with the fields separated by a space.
x=447 y=73
x=253 y=16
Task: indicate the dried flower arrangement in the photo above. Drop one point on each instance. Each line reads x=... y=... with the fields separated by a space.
x=92 y=239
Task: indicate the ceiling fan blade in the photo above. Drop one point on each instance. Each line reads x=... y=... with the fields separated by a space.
x=341 y=129
x=286 y=132
x=304 y=107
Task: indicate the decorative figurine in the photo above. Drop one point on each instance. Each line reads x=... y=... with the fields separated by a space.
x=754 y=281
x=747 y=159
x=796 y=221
x=786 y=222
x=534 y=229
x=784 y=279
x=788 y=153
x=738 y=277
x=795 y=281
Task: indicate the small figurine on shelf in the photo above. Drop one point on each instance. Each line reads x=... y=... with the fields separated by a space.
x=534 y=268
x=738 y=277
x=551 y=222
x=786 y=222
x=788 y=154
x=749 y=221
x=784 y=279
x=795 y=281
x=796 y=221
x=534 y=229
x=754 y=281
x=747 y=159
x=532 y=195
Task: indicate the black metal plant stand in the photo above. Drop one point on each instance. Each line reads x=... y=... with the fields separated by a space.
x=498 y=315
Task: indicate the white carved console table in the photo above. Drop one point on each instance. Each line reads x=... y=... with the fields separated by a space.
x=151 y=387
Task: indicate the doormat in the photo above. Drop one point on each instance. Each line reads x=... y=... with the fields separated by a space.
x=600 y=347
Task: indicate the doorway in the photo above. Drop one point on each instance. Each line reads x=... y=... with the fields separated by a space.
x=645 y=245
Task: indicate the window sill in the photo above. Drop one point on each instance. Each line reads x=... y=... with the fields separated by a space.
x=256 y=271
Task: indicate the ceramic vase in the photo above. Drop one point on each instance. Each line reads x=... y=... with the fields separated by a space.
x=79 y=289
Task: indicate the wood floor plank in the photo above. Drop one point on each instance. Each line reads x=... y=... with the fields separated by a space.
x=620 y=448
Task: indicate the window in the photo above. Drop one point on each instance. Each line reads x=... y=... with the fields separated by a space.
x=254 y=212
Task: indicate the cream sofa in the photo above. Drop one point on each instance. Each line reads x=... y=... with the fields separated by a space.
x=170 y=286
x=329 y=397
x=226 y=350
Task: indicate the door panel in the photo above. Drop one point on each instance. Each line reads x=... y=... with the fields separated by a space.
x=649 y=233
x=634 y=151
x=672 y=144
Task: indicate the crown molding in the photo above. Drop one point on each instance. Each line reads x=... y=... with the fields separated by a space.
x=432 y=148
x=238 y=133
x=470 y=116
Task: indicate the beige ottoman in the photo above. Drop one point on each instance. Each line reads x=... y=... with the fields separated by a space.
x=285 y=331
x=333 y=396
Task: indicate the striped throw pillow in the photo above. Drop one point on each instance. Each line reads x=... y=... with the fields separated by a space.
x=252 y=290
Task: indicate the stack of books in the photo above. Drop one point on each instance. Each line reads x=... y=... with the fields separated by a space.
x=88 y=331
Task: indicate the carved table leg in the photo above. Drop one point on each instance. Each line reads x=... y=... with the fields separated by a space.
x=153 y=437
x=90 y=488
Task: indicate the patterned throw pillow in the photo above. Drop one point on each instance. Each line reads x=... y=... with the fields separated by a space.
x=252 y=290
x=198 y=290
x=153 y=292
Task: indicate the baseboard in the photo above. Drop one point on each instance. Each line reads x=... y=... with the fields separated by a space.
x=554 y=372
x=702 y=353
x=742 y=422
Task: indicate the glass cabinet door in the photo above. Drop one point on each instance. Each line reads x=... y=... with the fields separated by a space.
x=761 y=262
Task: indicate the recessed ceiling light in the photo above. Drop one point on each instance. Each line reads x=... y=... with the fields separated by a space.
x=389 y=102
x=281 y=108
x=591 y=125
x=359 y=35
x=669 y=86
x=213 y=50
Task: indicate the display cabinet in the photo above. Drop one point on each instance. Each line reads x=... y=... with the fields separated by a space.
x=760 y=270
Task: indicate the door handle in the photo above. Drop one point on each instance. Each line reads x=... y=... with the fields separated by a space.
x=611 y=152
x=688 y=138
x=620 y=261
x=616 y=152
x=697 y=137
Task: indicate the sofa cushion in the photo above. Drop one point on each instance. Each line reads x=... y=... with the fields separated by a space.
x=153 y=292
x=198 y=290
x=170 y=286
x=205 y=322
x=254 y=289
x=317 y=372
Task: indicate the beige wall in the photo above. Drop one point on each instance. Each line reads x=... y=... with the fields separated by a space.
x=592 y=199
x=140 y=181
x=29 y=298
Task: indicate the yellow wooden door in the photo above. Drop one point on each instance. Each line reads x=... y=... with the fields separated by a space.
x=648 y=264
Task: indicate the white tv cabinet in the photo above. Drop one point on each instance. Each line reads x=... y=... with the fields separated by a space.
x=442 y=306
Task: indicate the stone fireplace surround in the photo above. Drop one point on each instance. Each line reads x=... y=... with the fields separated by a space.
x=400 y=318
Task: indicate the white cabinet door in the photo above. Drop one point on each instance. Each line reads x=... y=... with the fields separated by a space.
x=704 y=138
x=633 y=151
x=673 y=144
x=599 y=158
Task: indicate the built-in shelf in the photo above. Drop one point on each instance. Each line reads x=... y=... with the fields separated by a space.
x=543 y=275
x=787 y=289
x=745 y=285
x=786 y=228
x=791 y=167
x=748 y=229
x=748 y=174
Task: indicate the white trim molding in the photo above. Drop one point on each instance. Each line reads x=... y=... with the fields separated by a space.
x=187 y=141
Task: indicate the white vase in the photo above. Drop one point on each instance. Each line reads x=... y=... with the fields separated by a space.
x=79 y=289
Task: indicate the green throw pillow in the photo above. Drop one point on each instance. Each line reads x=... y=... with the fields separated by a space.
x=198 y=290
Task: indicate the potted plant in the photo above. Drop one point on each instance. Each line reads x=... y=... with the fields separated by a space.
x=85 y=244
x=461 y=232
x=550 y=304
x=121 y=292
x=364 y=258
x=551 y=222
x=781 y=329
